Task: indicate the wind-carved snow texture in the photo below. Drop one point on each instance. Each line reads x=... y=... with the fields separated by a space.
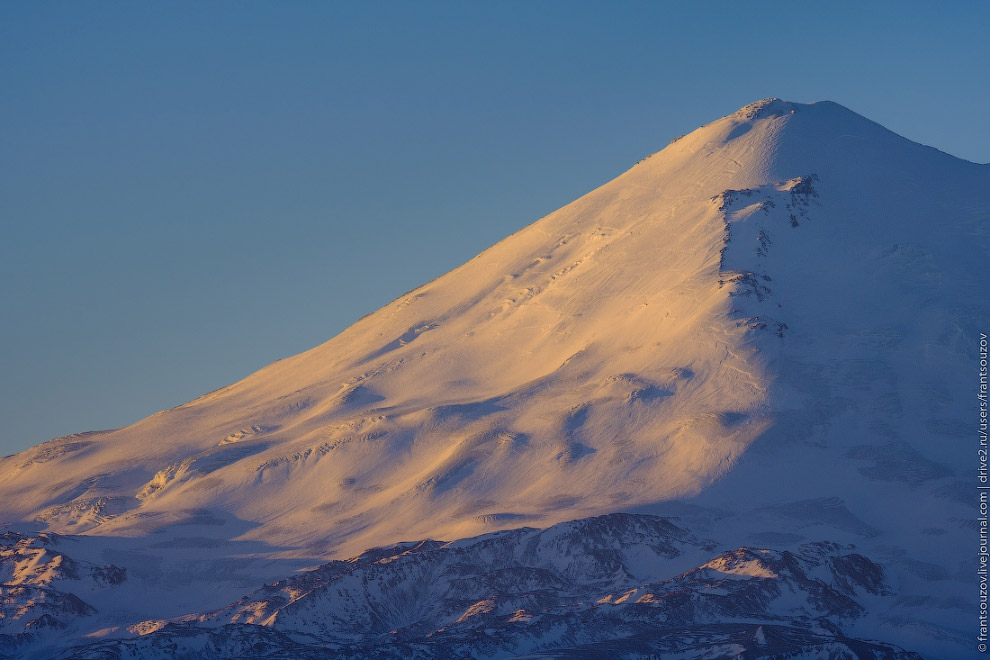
x=764 y=329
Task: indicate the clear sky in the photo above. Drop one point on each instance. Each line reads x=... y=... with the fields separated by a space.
x=189 y=191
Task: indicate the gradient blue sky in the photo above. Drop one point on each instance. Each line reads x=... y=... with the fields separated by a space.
x=189 y=191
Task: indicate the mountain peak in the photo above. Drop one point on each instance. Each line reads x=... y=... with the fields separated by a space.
x=776 y=140
x=766 y=108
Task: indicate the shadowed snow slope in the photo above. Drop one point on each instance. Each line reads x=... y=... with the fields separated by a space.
x=769 y=322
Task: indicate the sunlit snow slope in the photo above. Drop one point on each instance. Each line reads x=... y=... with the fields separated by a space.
x=790 y=290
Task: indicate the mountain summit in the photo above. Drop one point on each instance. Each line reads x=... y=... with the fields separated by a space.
x=763 y=328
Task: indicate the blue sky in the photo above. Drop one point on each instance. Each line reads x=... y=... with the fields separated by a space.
x=189 y=191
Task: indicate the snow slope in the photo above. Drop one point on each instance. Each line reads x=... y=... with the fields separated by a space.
x=766 y=329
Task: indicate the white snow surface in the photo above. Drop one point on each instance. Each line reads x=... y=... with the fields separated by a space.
x=769 y=328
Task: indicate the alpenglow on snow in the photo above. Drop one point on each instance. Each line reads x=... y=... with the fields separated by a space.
x=754 y=343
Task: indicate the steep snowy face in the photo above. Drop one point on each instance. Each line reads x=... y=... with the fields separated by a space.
x=626 y=349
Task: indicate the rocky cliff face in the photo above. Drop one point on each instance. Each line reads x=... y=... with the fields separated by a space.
x=611 y=586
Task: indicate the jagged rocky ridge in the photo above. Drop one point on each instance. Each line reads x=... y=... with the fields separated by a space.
x=43 y=589
x=607 y=587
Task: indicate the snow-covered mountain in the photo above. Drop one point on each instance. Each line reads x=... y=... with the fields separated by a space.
x=600 y=587
x=768 y=329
